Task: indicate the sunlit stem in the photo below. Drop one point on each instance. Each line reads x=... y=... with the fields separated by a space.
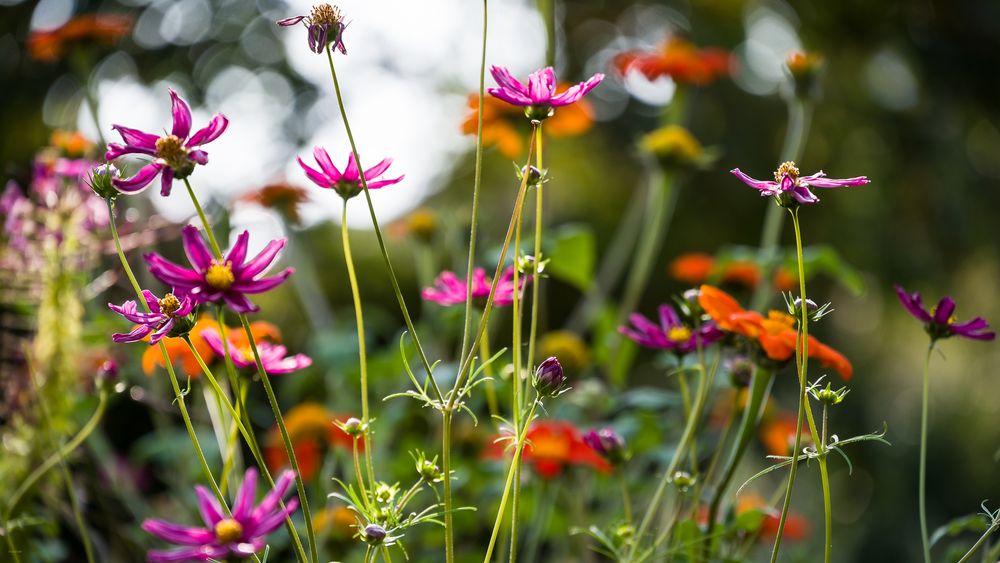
x=362 y=356
x=925 y=539
x=378 y=233
x=358 y=475
x=204 y=221
x=449 y=522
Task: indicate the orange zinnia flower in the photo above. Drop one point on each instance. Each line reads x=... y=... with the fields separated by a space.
x=105 y=29
x=281 y=197
x=502 y=122
x=312 y=430
x=785 y=280
x=778 y=435
x=679 y=59
x=71 y=143
x=552 y=445
x=775 y=333
x=178 y=350
x=692 y=268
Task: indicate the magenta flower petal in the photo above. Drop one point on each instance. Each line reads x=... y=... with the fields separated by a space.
x=351 y=172
x=377 y=170
x=204 y=553
x=137 y=141
x=574 y=93
x=287 y=22
x=756 y=184
x=216 y=127
x=271 y=499
x=243 y=504
x=541 y=85
x=271 y=522
x=170 y=273
x=182 y=116
x=199 y=156
x=945 y=308
x=137 y=334
x=316 y=176
x=323 y=158
x=265 y=284
x=507 y=82
x=140 y=181
x=238 y=253
x=510 y=97
x=209 y=508
x=914 y=304
x=383 y=183
x=239 y=303
x=195 y=248
x=177 y=534
x=819 y=180
x=258 y=264
x=166 y=181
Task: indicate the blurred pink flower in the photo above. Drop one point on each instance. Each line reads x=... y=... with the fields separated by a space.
x=449 y=289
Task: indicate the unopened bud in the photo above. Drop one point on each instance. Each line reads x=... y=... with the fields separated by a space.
x=549 y=378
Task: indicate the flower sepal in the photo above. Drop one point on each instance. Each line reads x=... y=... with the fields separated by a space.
x=101 y=180
x=184 y=324
x=539 y=113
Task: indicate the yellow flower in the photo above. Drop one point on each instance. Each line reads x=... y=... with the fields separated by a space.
x=571 y=350
x=674 y=144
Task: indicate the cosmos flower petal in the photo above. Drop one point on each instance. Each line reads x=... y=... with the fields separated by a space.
x=575 y=93
x=137 y=334
x=377 y=170
x=208 y=506
x=510 y=97
x=199 y=156
x=170 y=273
x=383 y=183
x=217 y=126
x=203 y=553
x=264 y=284
x=182 y=116
x=287 y=22
x=944 y=310
x=140 y=181
x=351 y=172
x=243 y=505
x=137 y=140
x=756 y=184
x=239 y=303
x=316 y=176
x=166 y=181
x=238 y=253
x=914 y=304
x=177 y=534
x=507 y=82
x=258 y=264
x=271 y=499
x=195 y=248
x=326 y=164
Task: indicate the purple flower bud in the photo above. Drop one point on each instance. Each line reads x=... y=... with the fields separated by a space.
x=608 y=444
x=549 y=377
x=373 y=534
x=107 y=371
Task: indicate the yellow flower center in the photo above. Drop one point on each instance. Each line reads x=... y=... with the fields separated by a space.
x=951 y=320
x=228 y=530
x=169 y=304
x=220 y=276
x=172 y=151
x=788 y=168
x=324 y=14
x=679 y=334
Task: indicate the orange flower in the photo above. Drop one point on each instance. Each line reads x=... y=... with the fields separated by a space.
x=105 y=29
x=775 y=333
x=178 y=350
x=552 y=444
x=692 y=268
x=741 y=272
x=785 y=280
x=71 y=143
x=312 y=430
x=796 y=526
x=679 y=59
x=778 y=435
x=281 y=197
x=339 y=523
x=501 y=122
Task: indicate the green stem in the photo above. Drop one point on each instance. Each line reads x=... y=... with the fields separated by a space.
x=827 y=508
x=979 y=543
x=362 y=356
x=925 y=539
x=378 y=232
x=359 y=475
x=273 y=400
x=799 y=117
x=204 y=221
x=536 y=281
x=8 y=535
x=449 y=523
x=626 y=499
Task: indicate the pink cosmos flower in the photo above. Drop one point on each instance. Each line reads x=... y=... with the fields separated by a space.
x=220 y=281
x=940 y=321
x=540 y=92
x=273 y=356
x=174 y=155
x=348 y=182
x=449 y=289
x=788 y=186
x=240 y=535
x=162 y=318
x=326 y=27
x=671 y=333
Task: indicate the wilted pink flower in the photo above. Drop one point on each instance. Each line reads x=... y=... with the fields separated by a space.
x=326 y=27
x=220 y=281
x=174 y=155
x=273 y=356
x=348 y=182
x=788 y=185
x=162 y=318
x=240 y=535
x=540 y=93
x=449 y=289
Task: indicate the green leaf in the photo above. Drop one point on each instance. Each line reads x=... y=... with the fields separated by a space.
x=573 y=252
x=971 y=523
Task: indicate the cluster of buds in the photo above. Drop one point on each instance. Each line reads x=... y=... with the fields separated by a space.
x=550 y=378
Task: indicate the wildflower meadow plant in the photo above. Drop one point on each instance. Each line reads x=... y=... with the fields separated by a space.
x=620 y=429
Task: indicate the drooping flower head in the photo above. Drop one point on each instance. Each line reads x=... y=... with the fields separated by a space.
x=538 y=97
x=240 y=535
x=325 y=25
x=552 y=445
x=167 y=316
x=671 y=333
x=940 y=321
x=174 y=155
x=503 y=122
x=228 y=280
x=347 y=183
x=608 y=444
x=450 y=290
x=790 y=189
x=274 y=357
x=103 y=29
x=775 y=333
x=678 y=59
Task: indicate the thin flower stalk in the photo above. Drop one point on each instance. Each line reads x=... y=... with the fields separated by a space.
x=362 y=356
x=925 y=401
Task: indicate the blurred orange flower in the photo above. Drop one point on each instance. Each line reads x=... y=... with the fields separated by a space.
x=777 y=434
x=796 y=525
x=552 y=445
x=501 y=122
x=105 y=29
x=775 y=333
x=178 y=350
x=697 y=267
x=785 y=280
x=339 y=522
x=312 y=430
x=679 y=59
x=70 y=143
x=281 y=197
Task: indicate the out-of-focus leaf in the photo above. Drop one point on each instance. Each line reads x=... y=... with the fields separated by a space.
x=970 y=523
x=824 y=259
x=572 y=253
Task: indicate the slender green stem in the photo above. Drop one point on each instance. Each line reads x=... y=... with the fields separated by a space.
x=273 y=400
x=358 y=475
x=491 y=393
x=925 y=539
x=802 y=362
x=511 y=472
x=626 y=499
x=477 y=183
x=979 y=543
x=799 y=117
x=345 y=238
x=449 y=525
x=827 y=508
x=378 y=233
x=204 y=220
x=537 y=279
x=8 y=535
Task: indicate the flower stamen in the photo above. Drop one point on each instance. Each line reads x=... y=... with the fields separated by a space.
x=170 y=304
x=220 y=276
x=172 y=152
x=324 y=14
x=787 y=168
x=228 y=530
x=679 y=334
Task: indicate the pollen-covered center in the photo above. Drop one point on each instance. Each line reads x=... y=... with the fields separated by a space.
x=172 y=151
x=786 y=168
x=228 y=530
x=679 y=334
x=220 y=276
x=324 y=14
x=169 y=304
x=951 y=320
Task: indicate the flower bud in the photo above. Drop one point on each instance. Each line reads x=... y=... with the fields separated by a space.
x=828 y=395
x=535 y=175
x=100 y=180
x=373 y=534
x=352 y=427
x=805 y=70
x=608 y=444
x=740 y=371
x=107 y=372
x=549 y=378
x=683 y=480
